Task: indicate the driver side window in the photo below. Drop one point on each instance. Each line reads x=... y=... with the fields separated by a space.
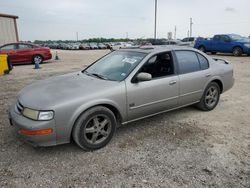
x=159 y=65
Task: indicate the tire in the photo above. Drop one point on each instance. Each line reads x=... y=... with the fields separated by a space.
x=202 y=48
x=210 y=97
x=37 y=59
x=237 y=51
x=94 y=128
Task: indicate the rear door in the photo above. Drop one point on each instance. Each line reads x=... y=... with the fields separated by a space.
x=215 y=44
x=25 y=52
x=10 y=50
x=194 y=73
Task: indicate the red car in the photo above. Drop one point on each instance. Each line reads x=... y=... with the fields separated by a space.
x=22 y=53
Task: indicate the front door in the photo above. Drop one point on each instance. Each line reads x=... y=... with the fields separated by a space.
x=145 y=98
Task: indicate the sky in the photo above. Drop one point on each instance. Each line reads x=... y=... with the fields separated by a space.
x=61 y=19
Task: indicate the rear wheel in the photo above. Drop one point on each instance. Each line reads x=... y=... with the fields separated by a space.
x=210 y=98
x=37 y=59
x=202 y=48
x=237 y=51
x=94 y=128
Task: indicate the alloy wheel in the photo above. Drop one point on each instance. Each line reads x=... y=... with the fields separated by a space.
x=212 y=96
x=97 y=129
x=37 y=59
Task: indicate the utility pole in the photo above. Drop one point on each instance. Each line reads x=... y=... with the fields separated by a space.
x=175 y=29
x=155 y=18
x=126 y=35
x=76 y=36
x=191 y=25
x=188 y=34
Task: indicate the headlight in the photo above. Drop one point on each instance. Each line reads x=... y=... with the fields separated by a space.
x=247 y=45
x=29 y=113
x=38 y=115
x=46 y=115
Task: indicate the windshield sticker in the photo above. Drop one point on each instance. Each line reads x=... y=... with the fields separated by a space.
x=129 y=60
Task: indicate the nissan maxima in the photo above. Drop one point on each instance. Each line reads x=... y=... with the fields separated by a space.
x=124 y=86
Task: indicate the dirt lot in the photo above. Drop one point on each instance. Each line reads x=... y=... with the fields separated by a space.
x=183 y=148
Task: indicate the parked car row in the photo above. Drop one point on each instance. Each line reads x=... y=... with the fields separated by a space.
x=88 y=46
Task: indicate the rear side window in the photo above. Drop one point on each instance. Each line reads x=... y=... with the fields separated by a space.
x=191 y=39
x=185 y=40
x=203 y=62
x=24 y=46
x=188 y=61
x=9 y=47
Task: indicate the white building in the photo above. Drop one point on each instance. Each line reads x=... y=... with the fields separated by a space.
x=8 y=29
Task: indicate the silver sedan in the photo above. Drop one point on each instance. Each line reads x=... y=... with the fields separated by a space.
x=123 y=86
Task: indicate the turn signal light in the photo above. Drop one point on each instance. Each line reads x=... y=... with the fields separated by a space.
x=36 y=132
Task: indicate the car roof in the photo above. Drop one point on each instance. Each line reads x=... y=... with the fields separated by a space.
x=28 y=43
x=157 y=49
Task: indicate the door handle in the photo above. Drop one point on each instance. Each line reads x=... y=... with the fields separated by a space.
x=208 y=75
x=172 y=82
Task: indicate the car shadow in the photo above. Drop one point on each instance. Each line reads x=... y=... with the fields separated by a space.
x=226 y=55
x=29 y=63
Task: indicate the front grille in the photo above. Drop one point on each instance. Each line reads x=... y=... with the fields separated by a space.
x=19 y=107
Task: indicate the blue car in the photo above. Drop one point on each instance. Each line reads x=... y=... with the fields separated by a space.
x=235 y=44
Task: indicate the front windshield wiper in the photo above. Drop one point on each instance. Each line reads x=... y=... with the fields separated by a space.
x=96 y=75
x=99 y=76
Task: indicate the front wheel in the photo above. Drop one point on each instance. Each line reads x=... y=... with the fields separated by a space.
x=94 y=128
x=210 y=98
x=237 y=51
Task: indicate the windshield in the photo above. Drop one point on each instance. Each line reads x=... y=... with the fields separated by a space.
x=116 y=65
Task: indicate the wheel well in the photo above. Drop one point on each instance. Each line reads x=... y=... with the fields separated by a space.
x=115 y=111
x=110 y=107
x=35 y=55
x=220 y=84
x=237 y=47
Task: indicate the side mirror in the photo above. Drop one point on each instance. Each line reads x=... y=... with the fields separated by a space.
x=143 y=76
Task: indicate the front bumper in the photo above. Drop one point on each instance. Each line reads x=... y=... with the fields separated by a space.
x=47 y=56
x=20 y=122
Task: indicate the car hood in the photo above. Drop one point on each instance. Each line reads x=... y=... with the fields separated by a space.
x=47 y=94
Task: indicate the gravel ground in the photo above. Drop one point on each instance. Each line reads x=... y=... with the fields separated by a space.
x=182 y=148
